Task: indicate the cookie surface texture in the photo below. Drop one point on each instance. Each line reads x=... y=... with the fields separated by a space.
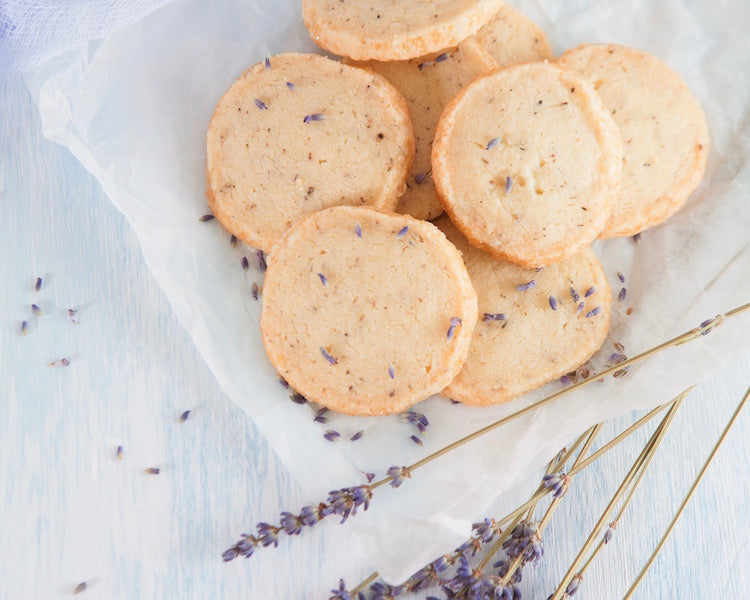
x=527 y=161
x=520 y=341
x=427 y=84
x=512 y=38
x=664 y=132
x=393 y=29
x=366 y=313
x=300 y=134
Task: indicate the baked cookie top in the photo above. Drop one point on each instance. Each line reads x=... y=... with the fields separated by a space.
x=663 y=129
x=534 y=326
x=393 y=29
x=299 y=133
x=512 y=38
x=527 y=161
x=366 y=313
x=427 y=84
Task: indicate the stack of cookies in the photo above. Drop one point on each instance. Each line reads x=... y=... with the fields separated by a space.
x=342 y=170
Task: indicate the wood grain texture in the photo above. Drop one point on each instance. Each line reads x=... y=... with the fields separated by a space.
x=72 y=512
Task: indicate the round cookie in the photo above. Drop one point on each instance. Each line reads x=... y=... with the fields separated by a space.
x=526 y=161
x=512 y=38
x=520 y=341
x=663 y=129
x=300 y=133
x=427 y=84
x=366 y=313
x=393 y=29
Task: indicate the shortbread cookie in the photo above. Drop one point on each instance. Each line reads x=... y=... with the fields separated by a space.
x=427 y=84
x=299 y=133
x=366 y=313
x=534 y=325
x=663 y=129
x=526 y=161
x=393 y=29
x=512 y=38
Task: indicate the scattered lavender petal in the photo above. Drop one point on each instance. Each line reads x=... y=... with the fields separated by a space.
x=416 y=440
x=284 y=383
x=254 y=290
x=323 y=279
x=267 y=62
x=493 y=317
x=81 y=587
x=492 y=143
x=594 y=311
x=589 y=292
x=565 y=380
x=245 y=263
x=24 y=327
x=553 y=303
x=262 y=264
x=573 y=294
x=298 y=398
x=205 y=218
x=422 y=65
x=526 y=286
x=622 y=294
x=420 y=177
x=185 y=416
x=455 y=321
x=320 y=415
x=580 y=308
x=260 y=104
x=118 y=452
x=152 y=471
x=314 y=117
x=403 y=231
x=38 y=284
x=508 y=184
x=233 y=240
x=358 y=229
x=621 y=277
x=357 y=436
x=331 y=360
x=442 y=57
x=637 y=237
x=291 y=86
x=332 y=436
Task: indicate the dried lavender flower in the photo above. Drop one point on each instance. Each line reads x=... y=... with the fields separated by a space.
x=291 y=524
x=619 y=347
x=254 y=291
x=290 y=85
x=320 y=415
x=589 y=292
x=525 y=541
x=358 y=436
x=419 y=420
x=574 y=294
x=553 y=303
x=206 y=218
x=314 y=117
x=268 y=534
x=508 y=184
x=484 y=530
x=637 y=238
x=621 y=277
x=152 y=471
x=323 y=279
x=442 y=57
x=233 y=240
x=420 y=177
x=332 y=436
x=616 y=358
x=184 y=416
x=391 y=372
x=492 y=143
x=594 y=311
x=358 y=229
x=580 y=308
x=298 y=398
x=38 y=284
x=245 y=263
x=572 y=587
x=557 y=482
x=622 y=294
x=402 y=232
x=81 y=587
x=36 y=311
x=24 y=327
x=119 y=452
x=262 y=265
x=331 y=360
x=526 y=286
x=493 y=317
x=398 y=475
x=340 y=593
x=455 y=321
x=260 y=104
x=416 y=439
x=267 y=62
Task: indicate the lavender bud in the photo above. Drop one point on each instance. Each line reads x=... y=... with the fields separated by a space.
x=38 y=284
x=358 y=229
x=553 y=303
x=314 y=117
x=357 y=436
x=493 y=317
x=118 y=452
x=508 y=184
x=420 y=177
x=262 y=265
x=621 y=277
x=298 y=398
x=398 y=475
x=526 y=286
x=260 y=104
x=442 y=57
x=206 y=218
x=332 y=436
x=81 y=587
x=402 y=232
x=589 y=292
x=574 y=295
x=331 y=360
x=254 y=291
x=290 y=85
x=24 y=327
x=184 y=416
x=455 y=321
x=267 y=62
x=492 y=143
x=391 y=372
x=323 y=279
x=416 y=440
x=622 y=294
x=594 y=311
x=152 y=471
x=245 y=263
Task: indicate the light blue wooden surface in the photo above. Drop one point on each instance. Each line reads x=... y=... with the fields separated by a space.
x=72 y=512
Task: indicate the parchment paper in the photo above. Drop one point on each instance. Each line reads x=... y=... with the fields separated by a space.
x=134 y=108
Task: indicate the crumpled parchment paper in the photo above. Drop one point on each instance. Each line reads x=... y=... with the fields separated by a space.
x=134 y=108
